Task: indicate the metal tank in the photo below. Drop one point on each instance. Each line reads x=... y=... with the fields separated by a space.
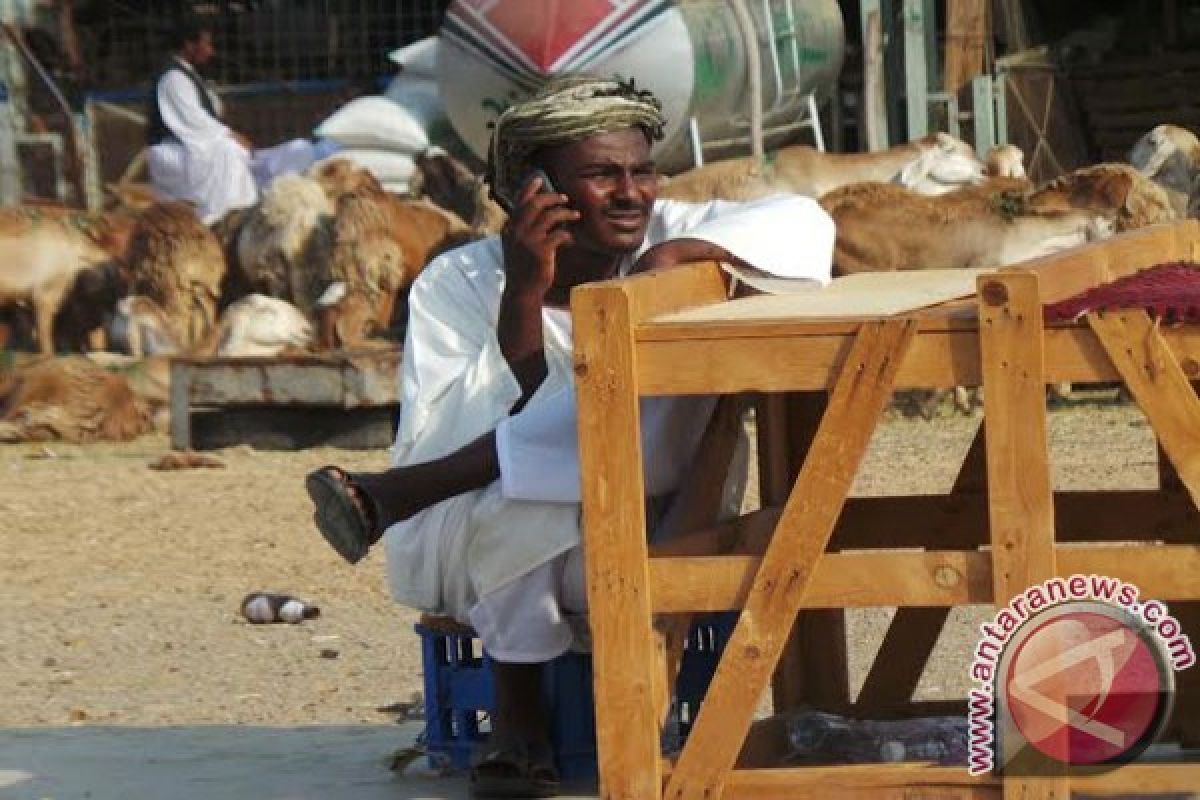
x=691 y=53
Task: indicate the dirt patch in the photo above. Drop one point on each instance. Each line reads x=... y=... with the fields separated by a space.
x=121 y=584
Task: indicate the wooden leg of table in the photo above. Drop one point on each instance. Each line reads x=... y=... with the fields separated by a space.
x=1185 y=714
x=1162 y=389
x=860 y=394
x=913 y=632
x=1020 y=496
x=697 y=505
x=1159 y=385
x=813 y=669
x=625 y=651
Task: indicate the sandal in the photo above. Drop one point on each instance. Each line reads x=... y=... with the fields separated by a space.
x=346 y=525
x=514 y=772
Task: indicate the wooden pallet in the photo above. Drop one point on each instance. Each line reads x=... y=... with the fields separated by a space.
x=787 y=568
x=260 y=391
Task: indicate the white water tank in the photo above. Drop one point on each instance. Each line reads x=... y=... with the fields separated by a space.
x=691 y=54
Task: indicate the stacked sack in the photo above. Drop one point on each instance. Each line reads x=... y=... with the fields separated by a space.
x=379 y=135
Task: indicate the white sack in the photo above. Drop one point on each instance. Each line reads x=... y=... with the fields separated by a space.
x=418 y=59
x=375 y=122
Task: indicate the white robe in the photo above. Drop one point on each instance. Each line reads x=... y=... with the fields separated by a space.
x=456 y=386
x=200 y=163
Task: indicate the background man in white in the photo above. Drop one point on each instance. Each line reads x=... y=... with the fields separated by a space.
x=192 y=155
x=481 y=510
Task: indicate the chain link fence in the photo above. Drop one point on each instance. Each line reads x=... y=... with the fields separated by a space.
x=124 y=42
x=281 y=66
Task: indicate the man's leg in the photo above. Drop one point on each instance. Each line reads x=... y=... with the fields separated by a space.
x=522 y=626
x=379 y=499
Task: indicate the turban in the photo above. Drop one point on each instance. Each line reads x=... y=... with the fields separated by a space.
x=564 y=111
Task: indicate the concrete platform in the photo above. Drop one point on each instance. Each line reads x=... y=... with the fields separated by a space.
x=339 y=398
x=219 y=761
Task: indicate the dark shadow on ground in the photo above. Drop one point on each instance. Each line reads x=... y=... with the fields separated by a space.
x=218 y=761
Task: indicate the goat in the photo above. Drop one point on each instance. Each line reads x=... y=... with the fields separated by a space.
x=931 y=165
x=177 y=262
x=42 y=253
x=69 y=399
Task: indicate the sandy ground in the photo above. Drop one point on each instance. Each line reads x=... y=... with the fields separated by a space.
x=121 y=585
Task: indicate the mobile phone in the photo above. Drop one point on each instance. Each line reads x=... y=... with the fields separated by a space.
x=509 y=203
x=547 y=184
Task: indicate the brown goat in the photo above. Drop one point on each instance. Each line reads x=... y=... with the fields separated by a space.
x=1133 y=200
x=177 y=262
x=69 y=399
x=930 y=165
x=340 y=176
x=887 y=227
x=43 y=251
x=448 y=182
x=381 y=244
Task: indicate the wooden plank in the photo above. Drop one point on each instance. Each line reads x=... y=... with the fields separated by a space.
x=940 y=360
x=1159 y=385
x=1165 y=572
x=966 y=33
x=813 y=668
x=181 y=409
x=1020 y=497
x=934 y=578
x=624 y=647
x=344 y=380
x=1140 y=780
x=913 y=632
x=652 y=294
x=858 y=400
x=861 y=295
x=697 y=505
x=840 y=580
x=1070 y=272
x=874 y=85
x=861 y=781
x=775 y=477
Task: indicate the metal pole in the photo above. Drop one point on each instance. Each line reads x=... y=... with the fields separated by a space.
x=917 y=79
x=874 y=101
x=754 y=66
x=983 y=114
x=696 y=141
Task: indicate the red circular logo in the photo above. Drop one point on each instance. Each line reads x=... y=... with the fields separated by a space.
x=1085 y=684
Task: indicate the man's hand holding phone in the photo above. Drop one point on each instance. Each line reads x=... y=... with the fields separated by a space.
x=537 y=227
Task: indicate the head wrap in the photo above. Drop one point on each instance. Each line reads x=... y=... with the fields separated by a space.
x=565 y=110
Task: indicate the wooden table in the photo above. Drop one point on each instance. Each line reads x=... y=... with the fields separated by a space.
x=812 y=547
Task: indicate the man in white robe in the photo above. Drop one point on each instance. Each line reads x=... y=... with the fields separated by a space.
x=192 y=155
x=482 y=506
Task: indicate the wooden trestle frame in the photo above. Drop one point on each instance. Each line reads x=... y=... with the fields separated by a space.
x=813 y=551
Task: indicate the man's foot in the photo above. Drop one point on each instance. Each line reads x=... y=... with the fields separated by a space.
x=345 y=515
x=514 y=769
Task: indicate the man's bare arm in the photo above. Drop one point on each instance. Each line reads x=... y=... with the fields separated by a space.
x=682 y=251
x=532 y=239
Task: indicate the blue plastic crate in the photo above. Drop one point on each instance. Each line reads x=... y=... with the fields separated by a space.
x=459 y=697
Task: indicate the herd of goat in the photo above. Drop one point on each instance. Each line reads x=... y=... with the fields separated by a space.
x=322 y=260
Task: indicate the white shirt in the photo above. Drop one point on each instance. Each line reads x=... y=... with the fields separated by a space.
x=200 y=163
x=456 y=386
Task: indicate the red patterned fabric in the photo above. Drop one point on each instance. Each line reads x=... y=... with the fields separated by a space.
x=1170 y=292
